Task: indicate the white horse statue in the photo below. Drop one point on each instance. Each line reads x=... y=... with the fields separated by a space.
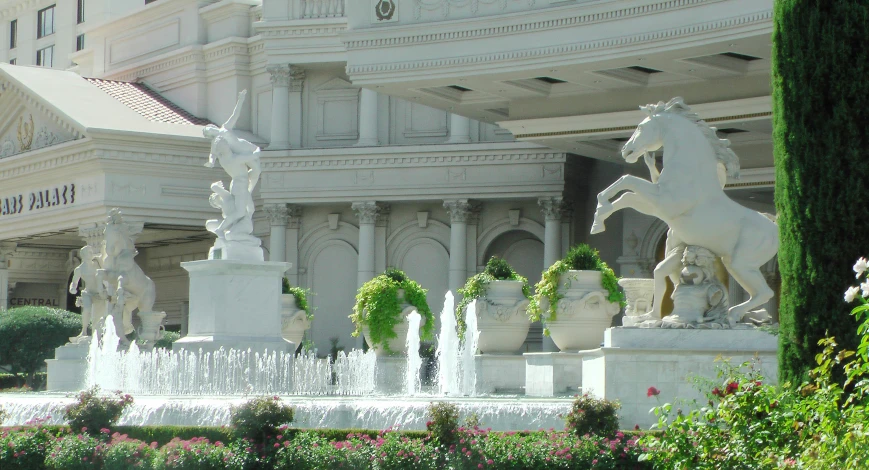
x=689 y=197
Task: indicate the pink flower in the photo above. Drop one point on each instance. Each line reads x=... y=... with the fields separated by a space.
x=490 y=461
x=652 y=391
x=479 y=465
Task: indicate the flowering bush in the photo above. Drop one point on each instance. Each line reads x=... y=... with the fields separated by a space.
x=2 y=415
x=24 y=448
x=76 y=452
x=821 y=424
x=309 y=451
x=443 y=422
x=124 y=453
x=91 y=412
x=590 y=415
x=259 y=418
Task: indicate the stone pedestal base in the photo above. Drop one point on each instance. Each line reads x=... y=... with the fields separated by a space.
x=500 y=373
x=553 y=374
x=390 y=374
x=634 y=359
x=234 y=304
x=230 y=250
x=67 y=372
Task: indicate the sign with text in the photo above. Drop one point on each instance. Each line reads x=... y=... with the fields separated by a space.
x=14 y=204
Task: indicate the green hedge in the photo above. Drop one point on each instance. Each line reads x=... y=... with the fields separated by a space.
x=13 y=381
x=820 y=111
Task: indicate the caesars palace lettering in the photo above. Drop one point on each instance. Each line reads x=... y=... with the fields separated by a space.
x=41 y=199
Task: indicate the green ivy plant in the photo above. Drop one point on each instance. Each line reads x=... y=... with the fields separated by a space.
x=301 y=296
x=580 y=258
x=379 y=308
x=497 y=269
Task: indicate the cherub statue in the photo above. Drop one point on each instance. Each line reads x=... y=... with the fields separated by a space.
x=234 y=226
x=699 y=298
x=92 y=291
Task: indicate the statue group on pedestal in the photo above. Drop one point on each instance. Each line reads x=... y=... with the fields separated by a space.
x=113 y=283
x=706 y=226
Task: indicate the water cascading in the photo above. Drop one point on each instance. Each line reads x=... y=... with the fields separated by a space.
x=469 y=349
x=414 y=361
x=448 y=350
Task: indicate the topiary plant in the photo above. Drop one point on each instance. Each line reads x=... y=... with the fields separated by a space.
x=29 y=336
x=497 y=269
x=91 y=412
x=580 y=257
x=590 y=415
x=259 y=418
x=301 y=295
x=379 y=308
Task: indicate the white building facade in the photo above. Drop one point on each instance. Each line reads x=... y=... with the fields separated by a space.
x=426 y=135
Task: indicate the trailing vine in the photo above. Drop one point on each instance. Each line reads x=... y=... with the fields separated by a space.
x=301 y=296
x=497 y=269
x=379 y=308
x=580 y=258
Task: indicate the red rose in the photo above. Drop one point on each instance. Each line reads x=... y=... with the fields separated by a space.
x=652 y=391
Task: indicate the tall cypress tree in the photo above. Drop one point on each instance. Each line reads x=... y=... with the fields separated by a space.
x=820 y=73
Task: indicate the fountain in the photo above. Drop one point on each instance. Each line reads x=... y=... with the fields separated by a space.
x=414 y=361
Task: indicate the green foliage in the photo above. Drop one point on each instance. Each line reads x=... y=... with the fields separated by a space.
x=259 y=418
x=379 y=308
x=166 y=340
x=124 y=453
x=590 y=415
x=161 y=435
x=581 y=257
x=820 y=107
x=2 y=415
x=201 y=454
x=497 y=269
x=443 y=422
x=301 y=296
x=76 y=452
x=29 y=336
x=91 y=412
x=13 y=381
x=25 y=449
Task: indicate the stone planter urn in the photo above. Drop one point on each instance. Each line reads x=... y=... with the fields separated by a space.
x=294 y=320
x=639 y=294
x=584 y=312
x=501 y=318
x=397 y=345
x=151 y=328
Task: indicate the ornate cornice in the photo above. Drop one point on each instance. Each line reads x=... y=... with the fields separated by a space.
x=459 y=210
x=360 y=161
x=561 y=50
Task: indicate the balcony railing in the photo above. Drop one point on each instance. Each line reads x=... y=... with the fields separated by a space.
x=320 y=8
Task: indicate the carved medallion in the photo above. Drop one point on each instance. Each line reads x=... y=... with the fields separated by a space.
x=25 y=133
x=384 y=10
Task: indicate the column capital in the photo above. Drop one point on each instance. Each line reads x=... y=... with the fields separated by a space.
x=367 y=212
x=297 y=77
x=459 y=210
x=278 y=214
x=295 y=214
x=279 y=75
x=553 y=208
x=7 y=250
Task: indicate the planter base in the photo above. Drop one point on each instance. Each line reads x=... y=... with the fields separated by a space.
x=67 y=372
x=500 y=373
x=552 y=374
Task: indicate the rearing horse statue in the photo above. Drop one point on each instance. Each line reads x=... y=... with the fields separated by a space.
x=690 y=199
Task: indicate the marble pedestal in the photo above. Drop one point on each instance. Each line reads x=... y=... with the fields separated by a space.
x=67 y=372
x=498 y=373
x=634 y=359
x=234 y=304
x=550 y=374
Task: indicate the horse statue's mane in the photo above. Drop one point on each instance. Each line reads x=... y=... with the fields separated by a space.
x=721 y=147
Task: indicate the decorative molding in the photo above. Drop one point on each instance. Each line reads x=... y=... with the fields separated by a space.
x=367 y=161
x=278 y=214
x=25 y=133
x=553 y=208
x=446 y=5
x=279 y=75
x=366 y=212
x=562 y=50
x=297 y=78
x=294 y=212
x=459 y=210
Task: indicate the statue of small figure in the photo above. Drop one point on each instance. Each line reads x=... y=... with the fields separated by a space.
x=92 y=291
x=240 y=159
x=234 y=217
x=118 y=302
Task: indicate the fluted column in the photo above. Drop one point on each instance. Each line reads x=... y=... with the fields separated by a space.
x=553 y=209
x=368 y=119
x=280 y=126
x=367 y=214
x=6 y=252
x=460 y=129
x=279 y=216
x=459 y=211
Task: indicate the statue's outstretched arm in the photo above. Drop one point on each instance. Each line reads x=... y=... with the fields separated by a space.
x=236 y=113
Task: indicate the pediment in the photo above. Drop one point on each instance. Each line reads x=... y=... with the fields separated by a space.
x=336 y=84
x=24 y=127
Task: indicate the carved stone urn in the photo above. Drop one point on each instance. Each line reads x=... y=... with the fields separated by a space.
x=294 y=320
x=501 y=318
x=584 y=312
x=397 y=345
x=152 y=326
x=639 y=294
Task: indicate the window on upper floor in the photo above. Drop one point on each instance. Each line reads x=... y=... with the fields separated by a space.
x=45 y=57
x=79 y=42
x=13 y=34
x=45 y=22
x=13 y=61
x=79 y=12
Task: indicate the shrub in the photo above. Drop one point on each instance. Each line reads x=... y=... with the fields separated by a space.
x=14 y=382
x=379 y=308
x=497 y=269
x=2 y=415
x=29 y=336
x=91 y=412
x=200 y=454
x=258 y=418
x=301 y=296
x=24 y=449
x=124 y=453
x=590 y=415
x=76 y=452
x=580 y=257
x=166 y=340
x=443 y=422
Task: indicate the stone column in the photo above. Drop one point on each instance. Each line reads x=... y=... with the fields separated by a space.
x=459 y=211
x=6 y=251
x=367 y=213
x=292 y=246
x=297 y=80
x=460 y=129
x=368 y=119
x=279 y=216
x=280 y=126
x=552 y=208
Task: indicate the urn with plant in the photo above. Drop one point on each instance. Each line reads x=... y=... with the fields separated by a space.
x=296 y=312
x=382 y=306
x=576 y=298
x=502 y=297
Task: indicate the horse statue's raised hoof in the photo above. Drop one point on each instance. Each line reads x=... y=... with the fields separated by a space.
x=597 y=227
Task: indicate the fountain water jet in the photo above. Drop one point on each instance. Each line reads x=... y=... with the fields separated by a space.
x=448 y=350
x=414 y=361
x=469 y=349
